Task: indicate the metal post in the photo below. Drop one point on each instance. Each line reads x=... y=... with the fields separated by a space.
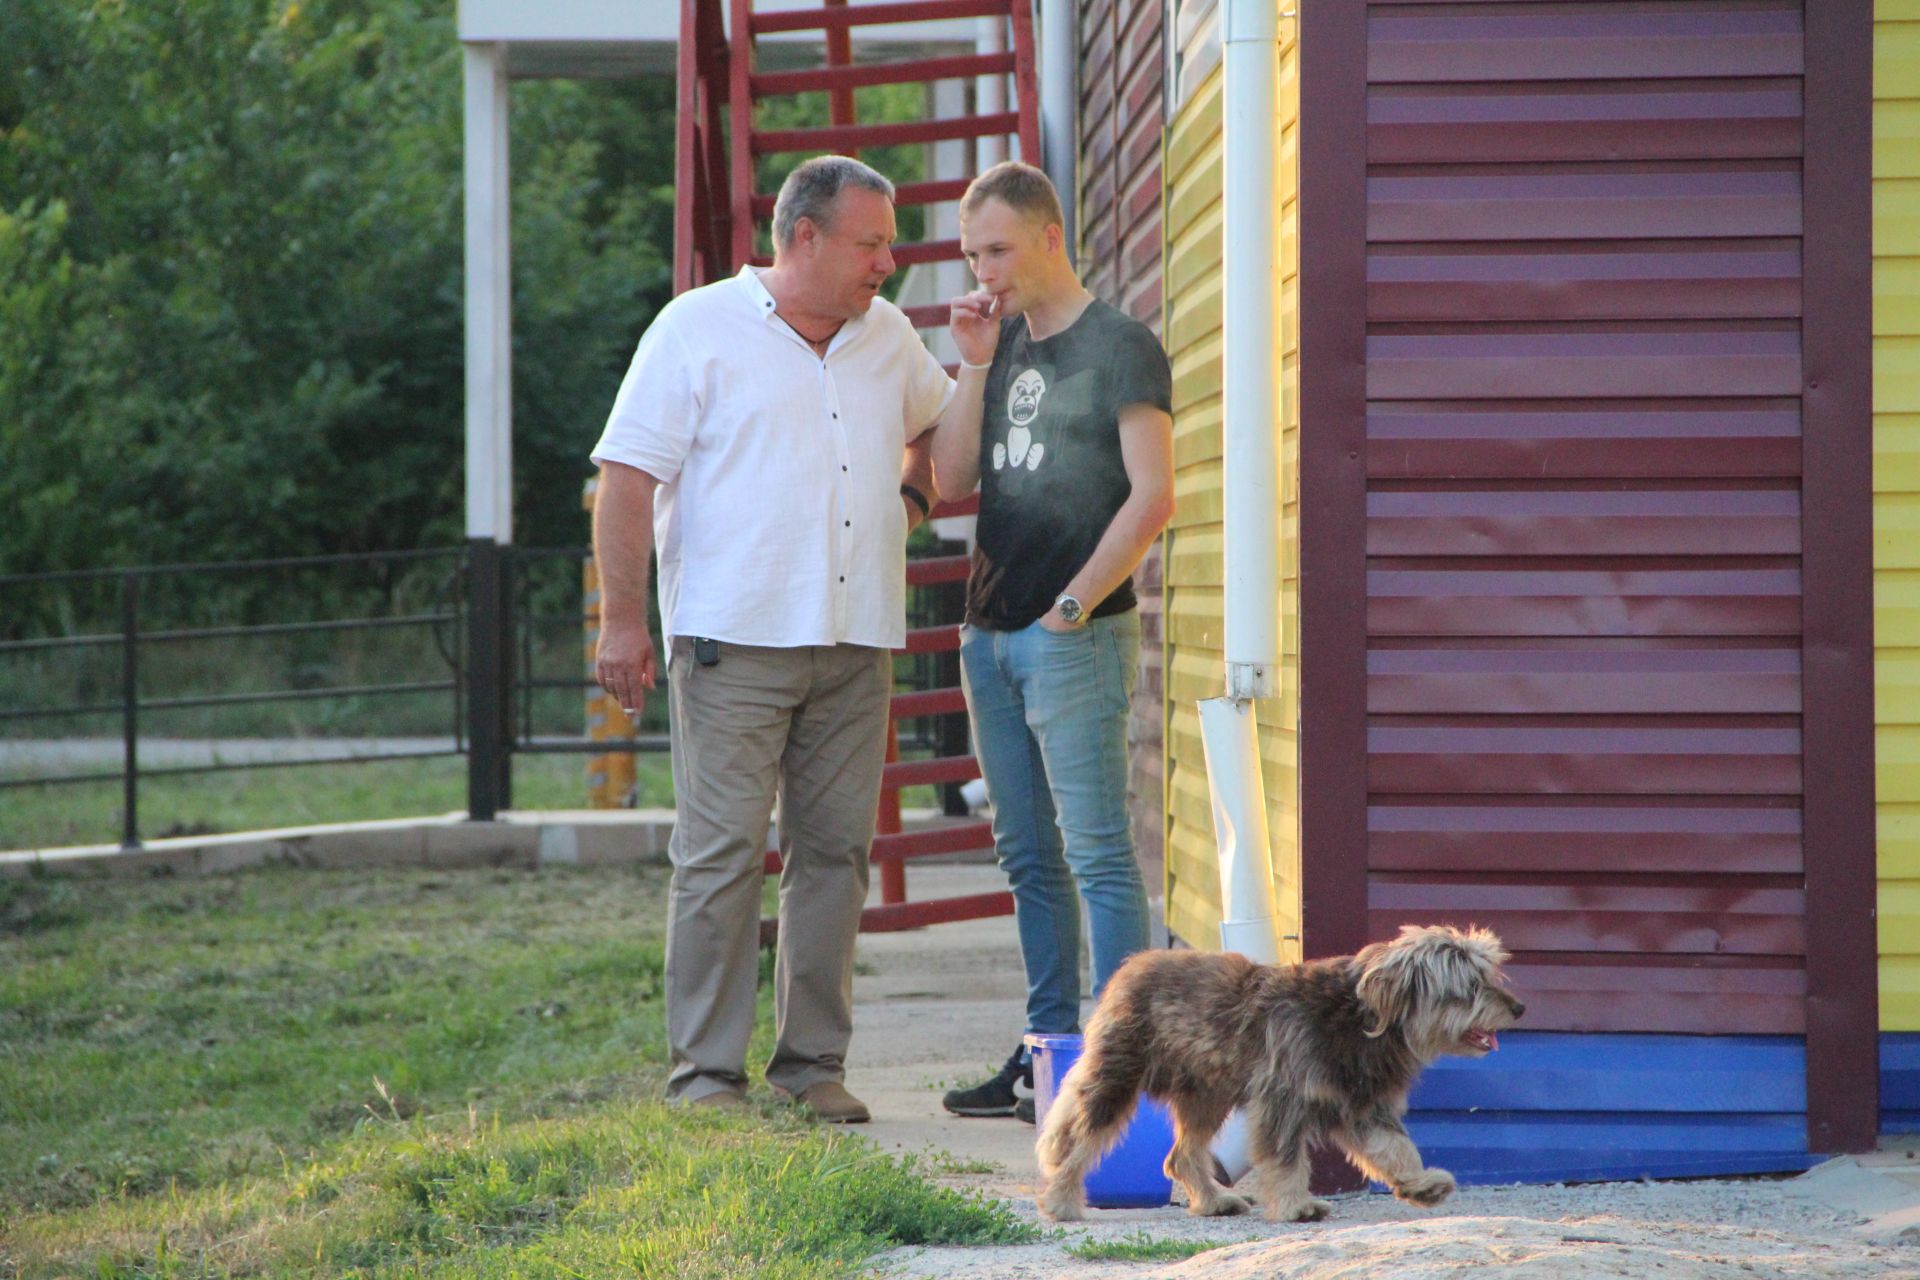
x=506 y=627
x=130 y=710
x=839 y=54
x=893 y=871
x=520 y=644
x=486 y=687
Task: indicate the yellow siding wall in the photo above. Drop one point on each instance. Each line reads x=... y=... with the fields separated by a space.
x=1192 y=554
x=1896 y=499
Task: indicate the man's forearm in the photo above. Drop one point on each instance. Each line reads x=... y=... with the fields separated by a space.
x=623 y=542
x=916 y=473
x=956 y=441
x=1146 y=446
x=1120 y=549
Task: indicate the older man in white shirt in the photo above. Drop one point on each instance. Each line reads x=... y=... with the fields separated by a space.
x=767 y=439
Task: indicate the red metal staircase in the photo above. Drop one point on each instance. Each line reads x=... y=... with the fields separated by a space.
x=718 y=210
x=717 y=220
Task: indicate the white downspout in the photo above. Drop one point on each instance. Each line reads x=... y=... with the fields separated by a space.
x=1250 y=476
x=1060 y=108
x=1230 y=736
x=1250 y=483
x=1251 y=467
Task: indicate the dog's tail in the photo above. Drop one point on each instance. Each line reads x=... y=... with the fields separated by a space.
x=1087 y=1118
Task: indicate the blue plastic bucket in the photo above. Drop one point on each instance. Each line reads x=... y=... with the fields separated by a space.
x=1133 y=1175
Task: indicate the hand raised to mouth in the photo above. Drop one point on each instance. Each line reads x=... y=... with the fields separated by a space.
x=976 y=331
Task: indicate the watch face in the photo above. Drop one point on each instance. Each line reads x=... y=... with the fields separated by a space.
x=1069 y=608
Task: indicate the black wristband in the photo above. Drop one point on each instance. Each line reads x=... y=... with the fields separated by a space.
x=918 y=499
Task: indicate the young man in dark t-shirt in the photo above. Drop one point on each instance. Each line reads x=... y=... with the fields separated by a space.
x=1062 y=418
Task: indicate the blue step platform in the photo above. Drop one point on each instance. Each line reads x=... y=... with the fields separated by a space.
x=1900 y=1082
x=1567 y=1107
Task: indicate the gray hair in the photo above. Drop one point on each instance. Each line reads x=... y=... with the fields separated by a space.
x=810 y=190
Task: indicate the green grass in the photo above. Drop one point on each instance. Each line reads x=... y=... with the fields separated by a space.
x=946 y=1164
x=396 y=1073
x=256 y=799
x=1141 y=1247
x=175 y=1033
x=631 y=1190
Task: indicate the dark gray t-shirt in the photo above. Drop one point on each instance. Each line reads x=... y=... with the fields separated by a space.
x=1051 y=472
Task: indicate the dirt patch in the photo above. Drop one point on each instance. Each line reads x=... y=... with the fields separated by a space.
x=1675 y=1231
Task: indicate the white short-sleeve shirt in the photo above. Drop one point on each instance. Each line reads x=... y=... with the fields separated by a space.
x=778 y=520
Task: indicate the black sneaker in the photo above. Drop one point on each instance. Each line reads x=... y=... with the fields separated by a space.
x=996 y=1097
x=1023 y=1110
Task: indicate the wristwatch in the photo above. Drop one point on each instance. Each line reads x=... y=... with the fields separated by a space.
x=1070 y=611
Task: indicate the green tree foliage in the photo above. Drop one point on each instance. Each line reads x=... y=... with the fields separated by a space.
x=231 y=278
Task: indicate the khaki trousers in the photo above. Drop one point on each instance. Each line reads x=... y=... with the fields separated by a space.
x=808 y=724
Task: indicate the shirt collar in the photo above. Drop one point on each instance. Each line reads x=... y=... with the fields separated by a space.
x=763 y=302
x=757 y=293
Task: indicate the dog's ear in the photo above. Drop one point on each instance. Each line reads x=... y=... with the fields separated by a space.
x=1485 y=944
x=1388 y=979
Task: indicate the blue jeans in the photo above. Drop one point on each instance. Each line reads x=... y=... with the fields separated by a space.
x=1050 y=728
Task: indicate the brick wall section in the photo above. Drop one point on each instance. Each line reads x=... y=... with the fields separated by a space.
x=1121 y=117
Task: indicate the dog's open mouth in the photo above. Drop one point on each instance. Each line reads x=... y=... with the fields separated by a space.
x=1484 y=1041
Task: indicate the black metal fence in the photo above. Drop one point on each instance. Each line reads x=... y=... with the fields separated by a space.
x=491 y=638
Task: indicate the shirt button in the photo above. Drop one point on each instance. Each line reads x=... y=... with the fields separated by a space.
x=843 y=467
x=843 y=577
x=849 y=524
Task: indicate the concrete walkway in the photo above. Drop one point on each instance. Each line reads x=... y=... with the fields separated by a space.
x=934 y=1008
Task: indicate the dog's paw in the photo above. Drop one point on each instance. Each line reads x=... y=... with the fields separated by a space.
x=1427 y=1189
x=1223 y=1204
x=1058 y=1204
x=1308 y=1210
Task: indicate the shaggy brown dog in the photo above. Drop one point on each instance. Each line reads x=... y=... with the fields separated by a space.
x=1321 y=1051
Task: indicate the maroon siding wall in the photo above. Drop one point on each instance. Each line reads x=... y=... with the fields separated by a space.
x=1559 y=464
x=1121 y=121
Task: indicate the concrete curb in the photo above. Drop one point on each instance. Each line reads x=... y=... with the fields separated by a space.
x=533 y=839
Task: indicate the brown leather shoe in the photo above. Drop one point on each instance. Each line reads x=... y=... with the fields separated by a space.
x=723 y=1100
x=830 y=1103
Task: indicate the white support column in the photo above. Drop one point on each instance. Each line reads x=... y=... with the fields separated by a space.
x=990 y=92
x=1060 y=107
x=489 y=299
x=945 y=160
